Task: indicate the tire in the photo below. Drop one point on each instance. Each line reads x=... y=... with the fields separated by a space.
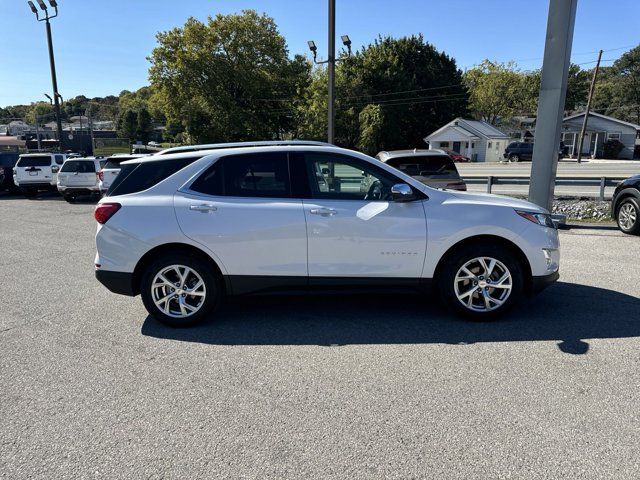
x=451 y=284
x=514 y=158
x=628 y=216
x=175 y=315
x=69 y=198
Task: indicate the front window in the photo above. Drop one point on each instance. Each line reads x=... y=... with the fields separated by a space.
x=444 y=144
x=343 y=178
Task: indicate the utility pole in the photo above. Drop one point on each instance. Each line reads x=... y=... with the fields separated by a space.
x=331 y=68
x=586 y=113
x=331 y=106
x=90 y=118
x=553 y=93
x=54 y=80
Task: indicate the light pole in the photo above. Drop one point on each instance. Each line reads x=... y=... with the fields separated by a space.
x=331 y=64
x=54 y=80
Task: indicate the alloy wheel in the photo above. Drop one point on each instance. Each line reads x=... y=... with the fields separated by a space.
x=627 y=216
x=178 y=291
x=483 y=284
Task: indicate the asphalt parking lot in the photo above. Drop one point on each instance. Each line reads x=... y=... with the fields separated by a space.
x=365 y=386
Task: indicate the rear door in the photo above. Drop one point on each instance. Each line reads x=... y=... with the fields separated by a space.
x=33 y=168
x=78 y=173
x=355 y=229
x=242 y=210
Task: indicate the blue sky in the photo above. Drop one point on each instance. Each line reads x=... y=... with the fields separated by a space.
x=101 y=45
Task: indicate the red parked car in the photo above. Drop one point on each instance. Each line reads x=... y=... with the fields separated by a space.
x=455 y=156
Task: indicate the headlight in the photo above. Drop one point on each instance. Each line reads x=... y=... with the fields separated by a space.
x=543 y=219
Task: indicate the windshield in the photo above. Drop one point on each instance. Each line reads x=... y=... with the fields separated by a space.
x=34 y=161
x=80 y=166
x=426 y=165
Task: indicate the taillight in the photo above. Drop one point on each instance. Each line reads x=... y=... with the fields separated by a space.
x=457 y=186
x=104 y=211
x=55 y=169
x=100 y=175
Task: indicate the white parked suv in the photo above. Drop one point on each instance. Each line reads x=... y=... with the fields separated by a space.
x=183 y=230
x=79 y=176
x=37 y=171
x=111 y=169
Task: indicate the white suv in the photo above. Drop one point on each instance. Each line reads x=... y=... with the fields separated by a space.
x=79 y=176
x=37 y=171
x=111 y=169
x=185 y=229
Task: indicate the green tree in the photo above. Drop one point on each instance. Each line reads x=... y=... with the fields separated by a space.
x=415 y=90
x=42 y=111
x=498 y=91
x=371 y=119
x=144 y=126
x=228 y=79
x=127 y=125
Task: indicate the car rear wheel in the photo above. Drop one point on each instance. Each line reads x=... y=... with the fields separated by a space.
x=70 y=198
x=514 y=158
x=180 y=290
x=628 y=216
x=481 y=282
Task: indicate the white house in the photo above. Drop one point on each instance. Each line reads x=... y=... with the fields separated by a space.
x=478 y=140
x=600 y=128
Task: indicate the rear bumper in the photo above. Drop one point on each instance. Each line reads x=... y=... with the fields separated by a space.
x=78 y=190
x=540 y=283
x=117 y=282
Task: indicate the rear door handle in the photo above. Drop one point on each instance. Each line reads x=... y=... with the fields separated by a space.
x=204 y=208
x=324 y=212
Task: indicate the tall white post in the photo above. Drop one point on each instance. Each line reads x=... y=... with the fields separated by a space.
x=553 y=92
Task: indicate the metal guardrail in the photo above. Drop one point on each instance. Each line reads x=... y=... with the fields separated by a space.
x=601 y=182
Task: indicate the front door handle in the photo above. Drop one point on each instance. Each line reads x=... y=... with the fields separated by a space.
x=204 y=208
x=324 y=212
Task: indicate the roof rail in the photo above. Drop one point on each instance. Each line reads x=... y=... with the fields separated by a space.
x=267 y=143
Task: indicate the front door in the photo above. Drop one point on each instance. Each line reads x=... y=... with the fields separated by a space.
x=241 y=210
x=354 y=227
x=456 y=147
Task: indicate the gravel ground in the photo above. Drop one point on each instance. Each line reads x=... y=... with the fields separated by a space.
x=584 y=210
x=382 y=386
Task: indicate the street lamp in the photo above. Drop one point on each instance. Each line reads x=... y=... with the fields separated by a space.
x=331 y=64
x=56 y=96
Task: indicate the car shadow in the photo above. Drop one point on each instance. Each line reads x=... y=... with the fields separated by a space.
x=567 y=313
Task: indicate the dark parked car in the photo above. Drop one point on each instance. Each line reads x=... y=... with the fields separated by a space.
x=625 y=205
x=517 y=151
x=7 y=162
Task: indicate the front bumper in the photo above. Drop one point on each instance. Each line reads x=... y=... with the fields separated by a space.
x=540 y=283
x=117 y=282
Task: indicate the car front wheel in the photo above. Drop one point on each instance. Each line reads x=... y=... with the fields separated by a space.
x=514 y=158
x=481 y=282
x=180 y=290
x=628 y=216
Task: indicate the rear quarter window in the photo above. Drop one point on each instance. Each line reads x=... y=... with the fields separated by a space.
x=136 y=177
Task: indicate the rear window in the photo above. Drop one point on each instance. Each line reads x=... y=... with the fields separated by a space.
x=80 y=166
x=34 y=161
x=252 y=175
x=424 y=165
x=136 y=177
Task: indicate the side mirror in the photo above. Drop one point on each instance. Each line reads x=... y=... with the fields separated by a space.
x=402 y=192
